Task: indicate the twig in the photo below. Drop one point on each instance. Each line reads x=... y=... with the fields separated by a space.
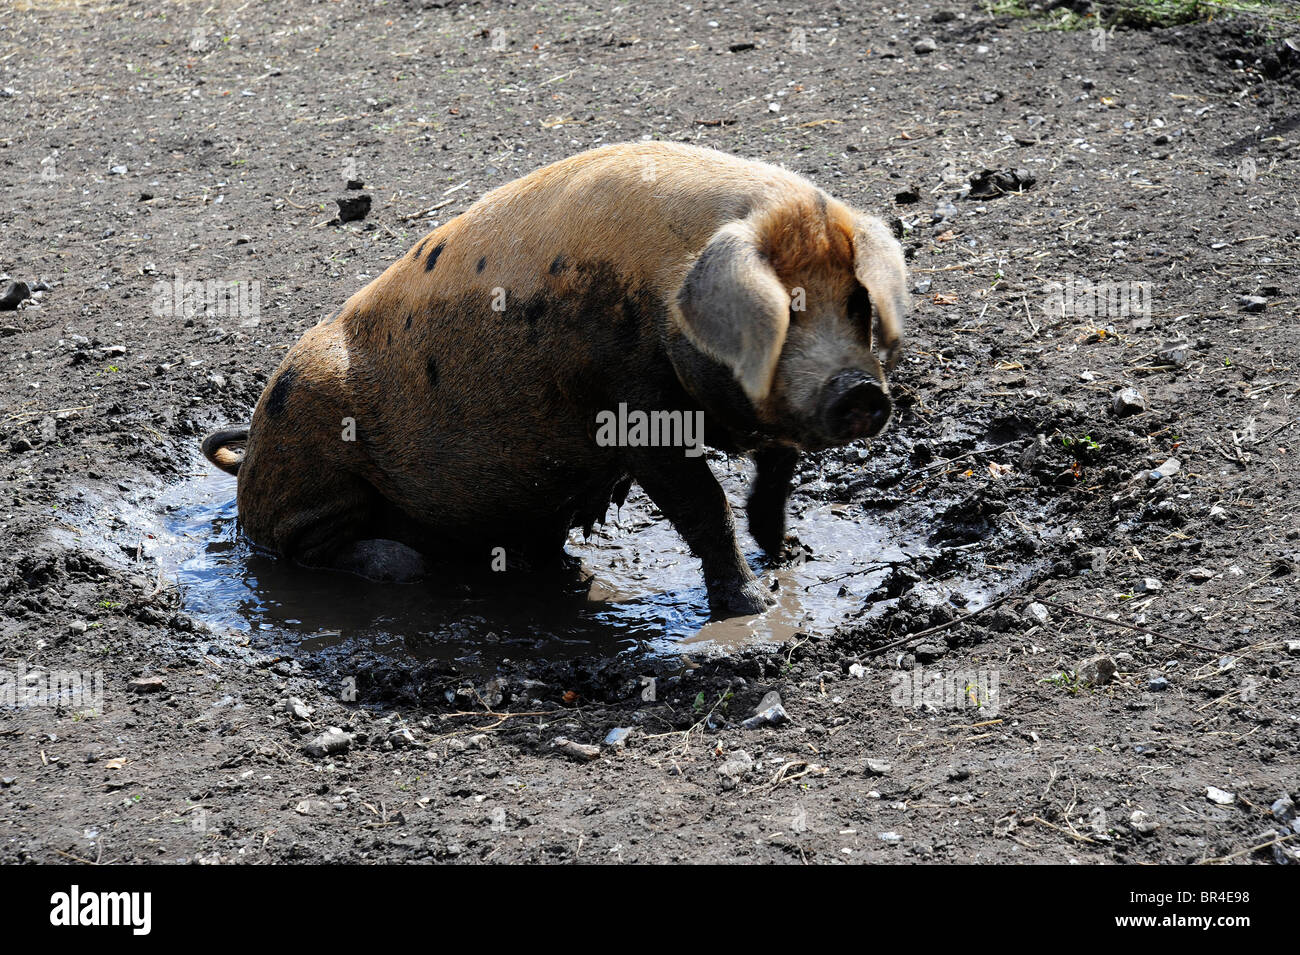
x=943 y=626
x=1127 y=626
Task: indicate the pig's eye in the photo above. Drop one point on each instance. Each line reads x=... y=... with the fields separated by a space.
x=858 y=308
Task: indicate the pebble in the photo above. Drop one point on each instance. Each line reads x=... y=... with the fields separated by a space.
x=329 y=743
x=617 y=737
x=878 y=767
x=1220 y=797
x=774 y=715
x=1142 y=823
x=12 y=294
x=1127 y=402
x=943 y=211
x=857 y=671
x=1158 y=684
x=736 y=766
x=1097 y=671
x=297 y=708
x=925 y=45
x=929 y=652
x=1293 y=646
x=1166 y=470
x=1175 y=352
x=352 y=208
x=1284 y=810
x=1037 y=613
x=769 y=712
x=890 y=838
x=402 y=738
x=147 y=684
x=1252 y=303
x=1150 y=585
x=1201 y=574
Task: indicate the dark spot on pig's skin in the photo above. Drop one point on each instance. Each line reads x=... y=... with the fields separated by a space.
x=419 y=249
x=279 y=396
x=433 y=256
x=432 y=369
x=390 y=339
x=481 y=263
x=558 y=265
x=408 y=323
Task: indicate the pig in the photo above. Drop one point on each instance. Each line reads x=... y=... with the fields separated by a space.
x=462 y=402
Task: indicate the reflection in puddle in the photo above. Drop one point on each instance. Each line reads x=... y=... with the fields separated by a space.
x=639 y=588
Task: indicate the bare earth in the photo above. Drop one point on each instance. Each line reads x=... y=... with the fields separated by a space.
x=139 y=142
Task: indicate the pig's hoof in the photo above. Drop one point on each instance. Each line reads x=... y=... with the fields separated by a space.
x=741 y=600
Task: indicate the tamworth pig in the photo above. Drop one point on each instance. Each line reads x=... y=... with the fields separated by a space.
x=490 y=390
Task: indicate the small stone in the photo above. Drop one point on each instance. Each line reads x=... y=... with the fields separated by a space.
x=147 y=684
x=329 y=743
x=1150 y=585
x=402 y=738
x=297 y=708
x=925 y=45
x=735 y=767
x=12 y=294
x=943 y=212
x=1037 y=613
x=617 y=737
x=1142 y=823
x=1284 y=810
x=1166 y=470
x=1220 y=797
x=929 y=652
x=878 y=767
x=1158 y=684
x=581 y=752
x=1097 y=671
x=20 y=445
x=1293 y=646
x=78 y=627
x=1201 y=574
x=774 y=715
x=1175 y=352
x=857 y=671
x=353 y=208
x=1127 y=402
x=1218 y=513
x=310 y=807
x=890 y=838
x=1252 y=303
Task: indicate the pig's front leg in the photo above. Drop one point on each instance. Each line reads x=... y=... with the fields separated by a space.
x=688 y=494
x=766 y=505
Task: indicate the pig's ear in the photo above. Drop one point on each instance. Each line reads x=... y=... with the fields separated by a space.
x=879 y=267
x=734 y=309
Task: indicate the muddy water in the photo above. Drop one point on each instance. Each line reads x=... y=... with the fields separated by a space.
x=639 y=588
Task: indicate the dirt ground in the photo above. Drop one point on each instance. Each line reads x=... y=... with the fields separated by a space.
x=1150 y=244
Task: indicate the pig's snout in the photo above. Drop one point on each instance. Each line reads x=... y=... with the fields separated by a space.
x=854 y=405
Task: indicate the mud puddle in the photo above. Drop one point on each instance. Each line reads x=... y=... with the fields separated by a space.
x=639 y=589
